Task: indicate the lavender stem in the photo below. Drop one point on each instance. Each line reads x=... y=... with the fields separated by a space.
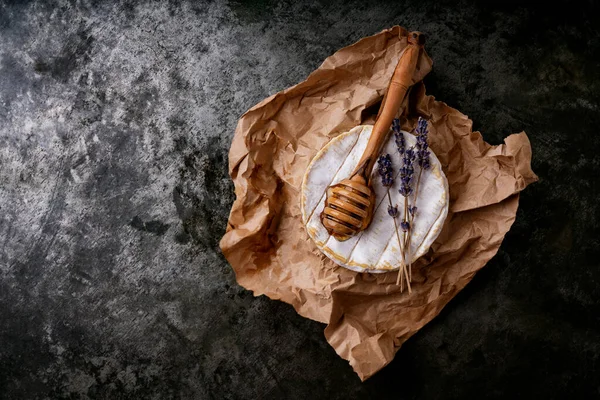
x=400 y=243
x=412 y=218
x=403 y=266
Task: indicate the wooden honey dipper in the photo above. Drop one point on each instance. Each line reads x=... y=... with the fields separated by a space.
x=349 y=204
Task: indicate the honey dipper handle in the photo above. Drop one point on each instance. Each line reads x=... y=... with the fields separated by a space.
x=401 y=80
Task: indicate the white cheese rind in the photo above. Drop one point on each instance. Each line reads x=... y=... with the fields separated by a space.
x=377 y=248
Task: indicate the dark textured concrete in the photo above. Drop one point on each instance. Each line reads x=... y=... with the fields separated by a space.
x=115 y=121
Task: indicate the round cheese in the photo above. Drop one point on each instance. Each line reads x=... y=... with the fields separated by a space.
x=377 y=248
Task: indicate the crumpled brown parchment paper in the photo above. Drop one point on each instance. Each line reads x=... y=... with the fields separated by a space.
x=367 y=316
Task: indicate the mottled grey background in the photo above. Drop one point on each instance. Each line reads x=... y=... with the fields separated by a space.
x=115 y=122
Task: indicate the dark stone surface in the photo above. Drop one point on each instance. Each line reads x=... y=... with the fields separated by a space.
x=115 y=122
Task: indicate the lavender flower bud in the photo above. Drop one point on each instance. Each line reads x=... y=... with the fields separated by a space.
x=405 y=190
x=393 y=211
x=385 y=170
x=409 y=156
x=396 y=125
x=405 y=225
x=424 y=161
x=412 y=210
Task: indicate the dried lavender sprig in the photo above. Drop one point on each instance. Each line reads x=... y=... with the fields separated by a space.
x=386 y=172
x=422 y=155
x=406 y=175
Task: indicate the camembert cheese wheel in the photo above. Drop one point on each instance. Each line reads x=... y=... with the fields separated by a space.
x=377 y=248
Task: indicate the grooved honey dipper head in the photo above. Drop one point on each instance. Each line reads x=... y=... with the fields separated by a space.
x=348 y=208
